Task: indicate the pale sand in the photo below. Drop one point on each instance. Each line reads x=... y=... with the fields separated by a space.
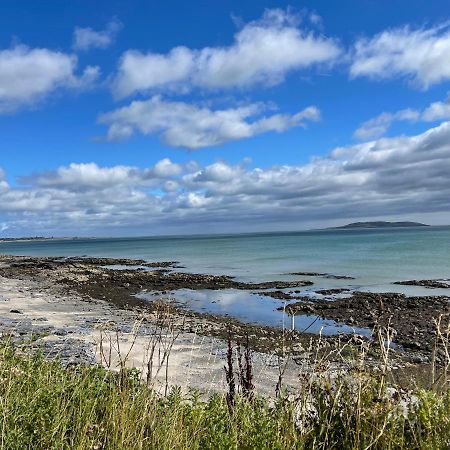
x=195 y=361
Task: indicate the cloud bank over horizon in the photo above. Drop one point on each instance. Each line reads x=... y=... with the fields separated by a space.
x=389 y=177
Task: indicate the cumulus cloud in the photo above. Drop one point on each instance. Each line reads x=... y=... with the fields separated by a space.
x=378 y=126
x=183 y=125
x=87 y=176
x=437 y=111
x=390 y=177
x=419 y=55
x=82 y=176
x=263 y=51
x=4 y=186
x=165 y=169
x=28 y=75
x=87 y=38
x=141 y=72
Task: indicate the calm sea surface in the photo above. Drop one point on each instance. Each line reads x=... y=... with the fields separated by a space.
x=375 y=258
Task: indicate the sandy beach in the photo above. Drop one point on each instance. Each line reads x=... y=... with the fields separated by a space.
x=66 y=326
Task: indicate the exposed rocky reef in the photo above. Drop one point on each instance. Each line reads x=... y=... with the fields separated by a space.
x=431 y=284
x=324 y=275
x=413 y=318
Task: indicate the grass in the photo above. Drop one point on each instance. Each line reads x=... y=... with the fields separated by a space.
x=44 y=405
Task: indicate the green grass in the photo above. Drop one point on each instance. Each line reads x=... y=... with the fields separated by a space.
x=46 y=406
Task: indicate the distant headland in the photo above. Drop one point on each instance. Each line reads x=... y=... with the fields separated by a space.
x=380 y=224
x=37 y=238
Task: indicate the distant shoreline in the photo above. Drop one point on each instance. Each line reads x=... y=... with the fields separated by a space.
x=350 y=226
x=38 y=239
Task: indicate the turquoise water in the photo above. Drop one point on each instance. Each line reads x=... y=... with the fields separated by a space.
x=375 y=258
x=371 y=256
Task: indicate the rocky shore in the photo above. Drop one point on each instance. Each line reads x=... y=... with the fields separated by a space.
x=324 y=275
x=94 y=279
x=412 y=318
x=37 y=315
x=432 y=284
x=95 y=286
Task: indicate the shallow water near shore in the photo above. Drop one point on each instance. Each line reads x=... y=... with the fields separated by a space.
x=374 y=259
x=251 y=307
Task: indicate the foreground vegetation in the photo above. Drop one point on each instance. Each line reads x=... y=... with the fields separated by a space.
x=44 y=405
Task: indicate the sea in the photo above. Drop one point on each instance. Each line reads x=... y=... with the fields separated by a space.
x=373 y=258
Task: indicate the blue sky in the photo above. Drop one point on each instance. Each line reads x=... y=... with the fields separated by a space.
x=250 y=109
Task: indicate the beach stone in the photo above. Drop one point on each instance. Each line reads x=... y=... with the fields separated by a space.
x=60 y=332
x=40 y=319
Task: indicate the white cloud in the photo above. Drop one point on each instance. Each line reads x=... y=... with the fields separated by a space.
x=29 y=75
x=87 y=38
x=183 y=125
x=316 y=19
x=87 y=176
x=263 y=51
x=437 y=111
x=140 y=71
x=419 y=55
x=390 y=177
x=166 y=168
x=378 y=126
x=4 y=186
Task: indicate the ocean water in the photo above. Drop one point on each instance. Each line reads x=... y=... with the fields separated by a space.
x=375 y=258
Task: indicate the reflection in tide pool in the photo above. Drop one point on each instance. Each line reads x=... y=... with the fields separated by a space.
x=251 y=308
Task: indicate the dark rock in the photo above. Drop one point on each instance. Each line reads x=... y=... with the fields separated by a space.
x=412 y=317
x=279 y=295
x=431 y=284
x=60 y=332
x=321 y=274
x=332 y=291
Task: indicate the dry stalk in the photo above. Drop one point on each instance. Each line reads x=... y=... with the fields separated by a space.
x=441 y=347
x=160 y=343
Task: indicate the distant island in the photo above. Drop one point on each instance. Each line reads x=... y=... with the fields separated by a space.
x=380 y=224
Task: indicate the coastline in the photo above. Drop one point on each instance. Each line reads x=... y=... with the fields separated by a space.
x=73 y=301
x=44 y=239
x=35 y=313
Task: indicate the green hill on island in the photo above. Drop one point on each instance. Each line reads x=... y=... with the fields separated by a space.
x=381 y=224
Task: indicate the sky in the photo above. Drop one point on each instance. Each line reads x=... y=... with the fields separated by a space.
x=144 y=118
